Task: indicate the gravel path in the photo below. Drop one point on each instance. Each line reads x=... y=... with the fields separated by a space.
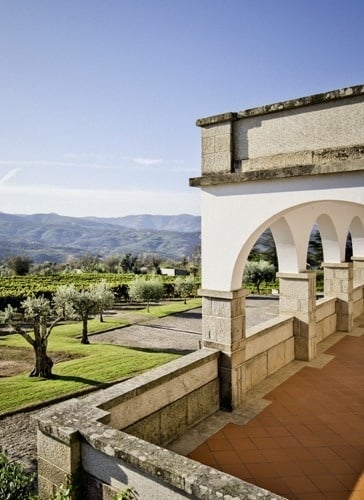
x=178 y=333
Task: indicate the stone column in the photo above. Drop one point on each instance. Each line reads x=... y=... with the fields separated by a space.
x=58 y=461
x=338 y=282
x=223 y=328
x=358 y=271
x=297 y=297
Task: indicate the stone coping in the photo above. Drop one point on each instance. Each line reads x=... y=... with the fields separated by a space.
x=221 y=294
x=296 y=276
x=336 y=167
x=332 y=95
x=139 y=384
x=340 y=265
x=266 y=327
x=193 y=478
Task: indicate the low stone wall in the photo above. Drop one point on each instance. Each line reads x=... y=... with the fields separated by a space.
x=163 y=403
x=80 y=435
x=326 y=318
x=270 y=346
x=358 y=301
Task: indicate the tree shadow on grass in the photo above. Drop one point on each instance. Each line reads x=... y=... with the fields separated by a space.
x=72 y=378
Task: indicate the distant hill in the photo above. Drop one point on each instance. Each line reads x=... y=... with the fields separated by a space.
x=183 y=223
x=56 y=238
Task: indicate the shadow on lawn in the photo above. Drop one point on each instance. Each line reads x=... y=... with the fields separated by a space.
x=69 y=378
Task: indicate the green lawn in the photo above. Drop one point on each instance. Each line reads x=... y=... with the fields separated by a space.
x=99 y=363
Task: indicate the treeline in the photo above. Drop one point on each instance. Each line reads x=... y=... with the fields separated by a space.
x=15 y=289
x=21 y=265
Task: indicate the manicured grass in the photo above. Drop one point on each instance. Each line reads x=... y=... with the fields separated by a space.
x=171 y=308
x=99 y=363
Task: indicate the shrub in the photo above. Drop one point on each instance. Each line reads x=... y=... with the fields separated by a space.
x=15 y=483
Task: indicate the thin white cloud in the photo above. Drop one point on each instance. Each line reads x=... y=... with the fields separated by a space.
x=52 y=163
x=147 y=161
x=9 y=176
x=99 y=202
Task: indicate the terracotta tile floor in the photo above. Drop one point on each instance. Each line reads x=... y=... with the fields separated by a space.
x=309 y=442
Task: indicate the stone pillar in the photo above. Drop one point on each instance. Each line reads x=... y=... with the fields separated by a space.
x=217 y=145
x=58 y=461
x=338 y=282
x=297 y=297
x=358 y=271
x=223 y=328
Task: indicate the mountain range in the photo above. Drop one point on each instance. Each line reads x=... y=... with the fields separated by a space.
x=56 y=238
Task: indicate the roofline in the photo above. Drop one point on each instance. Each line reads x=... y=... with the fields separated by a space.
x=332 y=95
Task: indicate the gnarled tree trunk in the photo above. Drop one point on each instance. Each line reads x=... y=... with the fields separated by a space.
x=43 y=363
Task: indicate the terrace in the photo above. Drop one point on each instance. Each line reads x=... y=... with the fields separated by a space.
x=274 y=410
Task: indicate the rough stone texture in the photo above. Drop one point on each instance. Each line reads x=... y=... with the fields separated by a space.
x=317 y=127
x=174 y=419
x=217 y=148
x=358 y=271
x=338 y=282
x=298 y=299
x=223 y=326
x=145 y=397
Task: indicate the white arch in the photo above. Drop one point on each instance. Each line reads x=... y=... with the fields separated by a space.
x=329 y=238
x=291 y=230
x=357 y=236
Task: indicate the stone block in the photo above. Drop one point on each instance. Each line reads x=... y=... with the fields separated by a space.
x=223 y=143
x=276 y=358
x=148 y=429
x=258 y=368
x=59 y=454
x=51 y=473
x=216 y=163
x=221 y=308
x=45 y=488
x=289 y=350
x=202 y=403
x=288 y=304
x=208 y=145
x=216 y=130
x=173 y=420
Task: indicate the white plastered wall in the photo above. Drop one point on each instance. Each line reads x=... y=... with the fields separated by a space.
x=235 y=215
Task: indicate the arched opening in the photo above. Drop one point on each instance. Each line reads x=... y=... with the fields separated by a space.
x=357 y=237
x=259 y=278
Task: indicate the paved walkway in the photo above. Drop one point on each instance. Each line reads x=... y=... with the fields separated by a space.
x=305 y=438
x=182 y=332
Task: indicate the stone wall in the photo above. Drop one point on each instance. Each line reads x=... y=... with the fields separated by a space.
x=358 y=301
x=79 y=435
x=270 y=346
x=326 y=318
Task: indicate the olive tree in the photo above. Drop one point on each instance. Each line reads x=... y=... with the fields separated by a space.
x=185 y=287
x=257 y=272
x=104 y=297
x=39 y=313
x=76 y=304
x=146 y=290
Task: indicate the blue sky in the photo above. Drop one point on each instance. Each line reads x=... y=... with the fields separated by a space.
x=99 y=98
